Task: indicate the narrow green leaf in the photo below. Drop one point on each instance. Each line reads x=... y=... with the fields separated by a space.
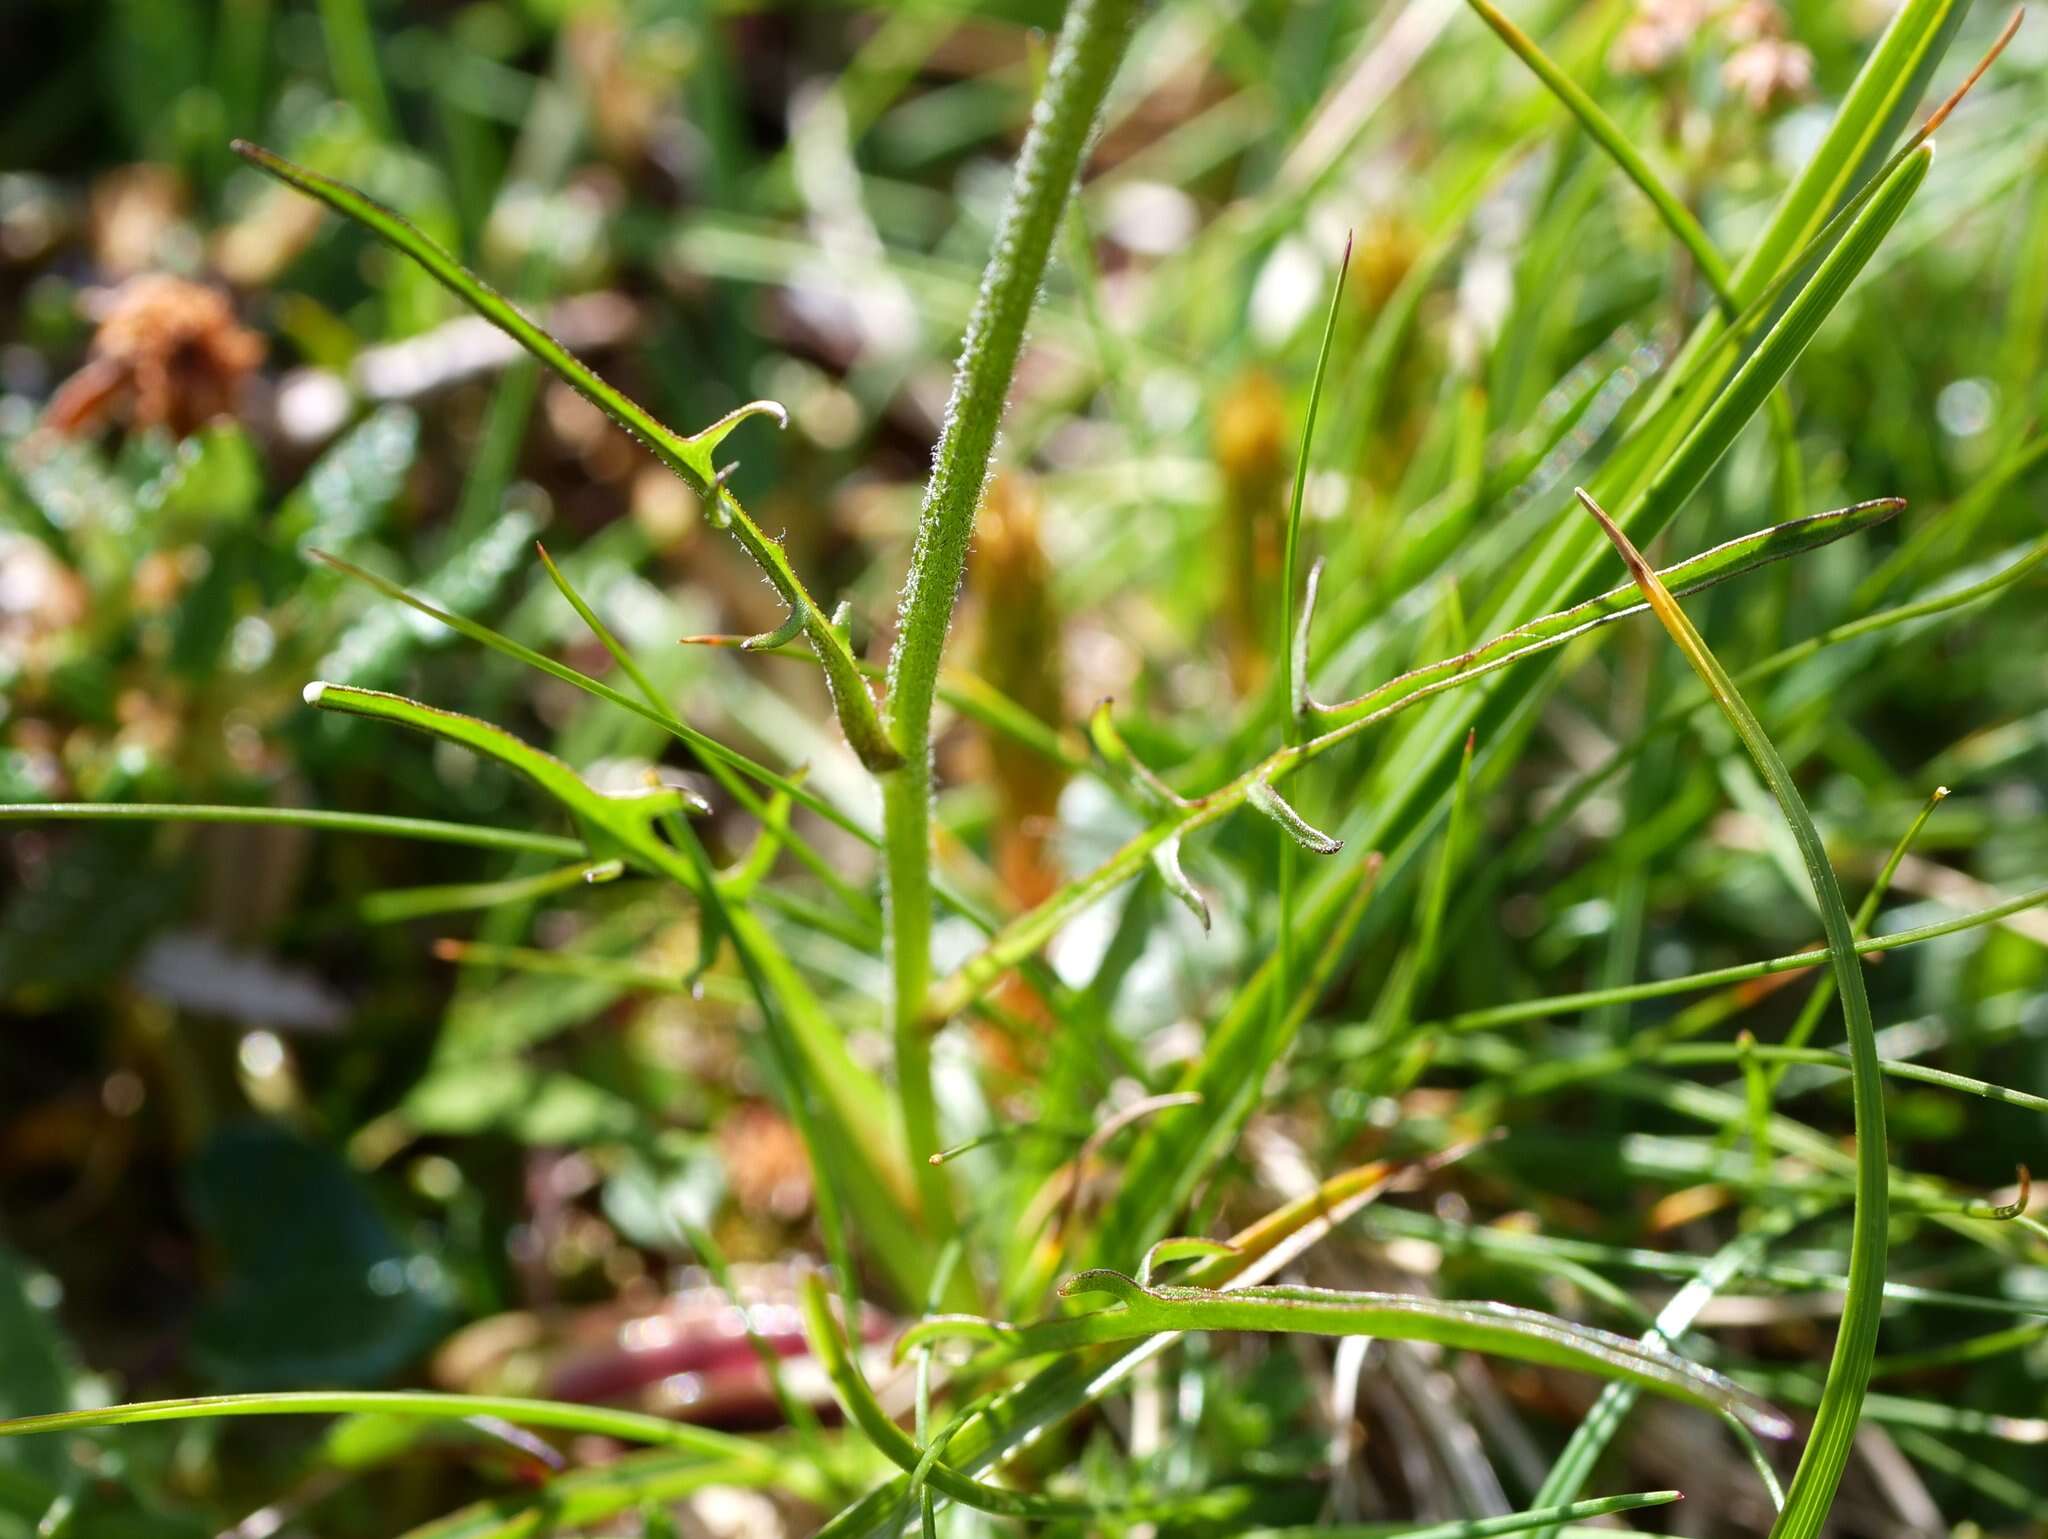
x=628 y=1426
x=427 y=829
x=1482 y=1528
x=1812 y=1492
x=612 y=824
x=1263 y=798
x=1676 y=216
x=1695 y=574
x=1166 y=860
x=1504 y=1330
x=689 y=458
x=1571 y=1004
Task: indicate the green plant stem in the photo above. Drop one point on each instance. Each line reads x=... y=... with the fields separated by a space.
x=1477 y=1325
x=1091 y=45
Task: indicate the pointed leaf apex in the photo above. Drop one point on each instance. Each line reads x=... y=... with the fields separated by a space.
x=1167 y=860
x=1304 y=833
x=709 y=438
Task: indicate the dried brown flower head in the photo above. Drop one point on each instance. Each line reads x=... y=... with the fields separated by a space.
x=169 y=353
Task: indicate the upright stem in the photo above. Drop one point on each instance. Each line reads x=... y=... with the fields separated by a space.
x=1091 y=45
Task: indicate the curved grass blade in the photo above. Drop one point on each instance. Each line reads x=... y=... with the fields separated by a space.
x=1812 y=1491
x=1021 y=1414
x=1695 y=574
x=1676 y=216
x=430 y=830
x=858 y=1400
x=1484 y=1528
x=627 y=1426
x=1503 y=1330
x=689 y=458
x=1538 y=835
x=1589 y=1440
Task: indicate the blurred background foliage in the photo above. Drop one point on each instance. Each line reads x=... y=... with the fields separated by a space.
x=256 y=1132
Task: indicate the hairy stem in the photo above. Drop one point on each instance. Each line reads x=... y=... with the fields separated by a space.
x=1091 y=44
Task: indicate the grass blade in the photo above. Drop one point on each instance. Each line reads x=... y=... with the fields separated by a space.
x=690 y=458
x=431 y=830
x=628 y=1426
x=1484 y=1528
x=1505 y=1330
x=1812 y=1491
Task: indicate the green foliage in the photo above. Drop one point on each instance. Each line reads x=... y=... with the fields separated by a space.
x=1305 y=1201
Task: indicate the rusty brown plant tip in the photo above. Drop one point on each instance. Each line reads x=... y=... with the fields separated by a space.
x=169 y=353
